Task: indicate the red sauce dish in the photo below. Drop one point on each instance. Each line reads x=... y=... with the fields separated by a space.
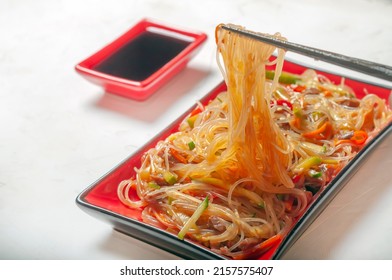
x=139 y=62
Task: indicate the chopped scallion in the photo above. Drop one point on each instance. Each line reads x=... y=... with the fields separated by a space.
x=191 y=145
x=193 y=219
x=315 y=174
x=154 y=185
x=170 y=178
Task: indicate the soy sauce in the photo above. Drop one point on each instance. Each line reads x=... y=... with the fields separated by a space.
x=142 y=56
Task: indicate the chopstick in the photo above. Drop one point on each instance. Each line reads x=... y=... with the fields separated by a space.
x=367 y=67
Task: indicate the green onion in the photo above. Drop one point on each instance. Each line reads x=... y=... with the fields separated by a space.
x=285 y=78
x=193 y=219
x=154 y=185
x=169 y=177
x=307 y=163
x=315 y=174
x=191 y=145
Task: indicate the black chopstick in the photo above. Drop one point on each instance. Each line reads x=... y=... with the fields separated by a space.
x=367 y=67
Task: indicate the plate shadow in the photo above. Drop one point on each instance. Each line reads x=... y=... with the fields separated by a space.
x=150 y=109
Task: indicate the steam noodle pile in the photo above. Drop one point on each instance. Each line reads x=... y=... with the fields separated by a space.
x=241 y=169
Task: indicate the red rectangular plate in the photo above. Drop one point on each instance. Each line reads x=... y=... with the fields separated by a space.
x=100 y=199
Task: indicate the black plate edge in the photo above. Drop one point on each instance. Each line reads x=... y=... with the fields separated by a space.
x=146 y=233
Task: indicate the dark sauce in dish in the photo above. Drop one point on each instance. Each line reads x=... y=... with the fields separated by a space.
x=141 y=57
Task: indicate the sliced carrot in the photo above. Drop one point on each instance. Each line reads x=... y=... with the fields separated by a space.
x=176 y=154
x=327 y=93
x=323 y=132
x=359 y=138
x=271 y=241
x=196 y=111
x=299 y=88
x=187 y=180
x=259 y=250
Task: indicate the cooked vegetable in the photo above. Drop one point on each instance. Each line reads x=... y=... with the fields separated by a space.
x=322 y=133
x=315 y=174
x=359 y=138
x=169 y=177
x=284 y=78
x=191 y=120
x=191 y=145
x=307 y=163
x=193 y=219
x=154 y=185
x=178 y=156
x=282 y=102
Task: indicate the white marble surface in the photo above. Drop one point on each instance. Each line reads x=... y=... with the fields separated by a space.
x=59 y=133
